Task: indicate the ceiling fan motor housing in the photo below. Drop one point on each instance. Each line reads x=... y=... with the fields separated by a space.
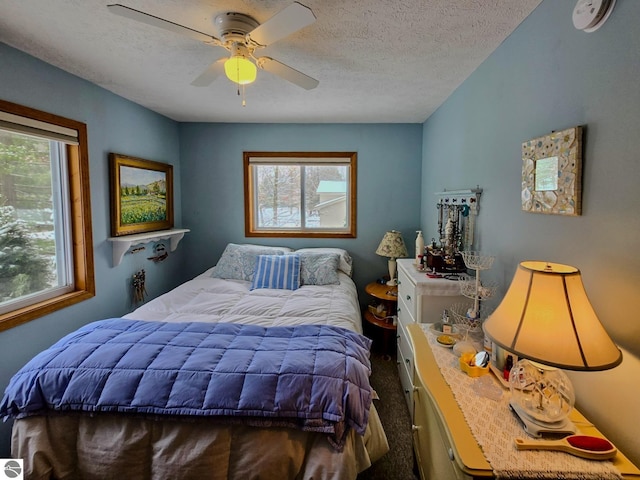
x=234 y=27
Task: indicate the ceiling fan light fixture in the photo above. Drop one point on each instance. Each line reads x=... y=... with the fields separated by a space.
x=240 y=70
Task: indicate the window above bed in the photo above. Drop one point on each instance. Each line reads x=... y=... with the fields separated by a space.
x=300 y=194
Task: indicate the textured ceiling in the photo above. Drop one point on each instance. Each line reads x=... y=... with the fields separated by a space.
x=378 y=61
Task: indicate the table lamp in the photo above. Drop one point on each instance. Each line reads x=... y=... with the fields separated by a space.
x=392 y=246
x=547 y=320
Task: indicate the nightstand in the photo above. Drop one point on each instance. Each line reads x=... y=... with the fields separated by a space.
x=382 y=327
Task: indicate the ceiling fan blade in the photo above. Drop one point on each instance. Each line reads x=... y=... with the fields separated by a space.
x=290 y=74
x=284 y=23
x=154 y=21
x=210 y=74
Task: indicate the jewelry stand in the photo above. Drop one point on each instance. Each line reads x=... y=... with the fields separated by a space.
x=470 y=317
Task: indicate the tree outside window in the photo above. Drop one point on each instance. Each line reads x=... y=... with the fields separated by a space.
x=46 y=251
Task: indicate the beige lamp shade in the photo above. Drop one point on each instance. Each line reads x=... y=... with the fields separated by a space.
x=546 y=317
x=392 y=245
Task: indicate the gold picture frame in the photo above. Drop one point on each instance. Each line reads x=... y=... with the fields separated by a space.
x=141 y=195
x=552 y=173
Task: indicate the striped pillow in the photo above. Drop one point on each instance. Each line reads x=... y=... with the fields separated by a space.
x=277 y=271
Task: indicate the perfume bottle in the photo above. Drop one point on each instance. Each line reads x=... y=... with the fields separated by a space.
x=447 y=327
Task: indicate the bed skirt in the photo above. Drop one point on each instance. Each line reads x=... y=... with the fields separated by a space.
x=112 y=446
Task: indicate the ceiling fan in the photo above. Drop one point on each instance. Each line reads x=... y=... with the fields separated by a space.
x=242 y=36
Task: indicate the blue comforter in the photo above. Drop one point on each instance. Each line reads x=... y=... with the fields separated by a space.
x=313 y=376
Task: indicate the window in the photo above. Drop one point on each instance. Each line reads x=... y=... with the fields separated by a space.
x=46 y=248
x=293 y=194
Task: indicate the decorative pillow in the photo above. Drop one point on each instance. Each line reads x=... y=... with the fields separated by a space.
x=277 y=271
x=345 y=264
x=238 y=262
x=319 y=268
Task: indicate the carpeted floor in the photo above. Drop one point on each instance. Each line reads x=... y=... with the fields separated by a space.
x=397 y=464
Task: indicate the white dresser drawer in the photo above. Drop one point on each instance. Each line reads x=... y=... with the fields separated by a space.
x=405 y=316
x=407 y=388
x=407 y=292
x=405 y=360
x=405 y=347
x=405 y=370
x=434 y=455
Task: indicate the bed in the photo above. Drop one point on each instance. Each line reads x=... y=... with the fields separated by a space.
x=240 y=301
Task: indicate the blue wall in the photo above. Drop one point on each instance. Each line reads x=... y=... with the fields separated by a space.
x=389 y=163
x=549 y=76
x=114 y=125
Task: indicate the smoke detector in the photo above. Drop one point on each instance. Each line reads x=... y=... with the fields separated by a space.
x=590 y=15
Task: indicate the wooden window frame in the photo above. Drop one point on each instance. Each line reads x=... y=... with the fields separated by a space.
x=250 y=221
x=80 y=210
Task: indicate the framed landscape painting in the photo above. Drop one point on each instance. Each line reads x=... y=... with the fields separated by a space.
x=141 y=195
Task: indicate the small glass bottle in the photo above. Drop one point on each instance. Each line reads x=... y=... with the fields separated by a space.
x=419 y=246
x=508 y=365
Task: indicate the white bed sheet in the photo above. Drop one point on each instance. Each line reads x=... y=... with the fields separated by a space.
x=208 y=299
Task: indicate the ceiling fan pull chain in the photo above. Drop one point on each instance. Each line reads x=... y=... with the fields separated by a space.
x=244 y=102
x=238 y=77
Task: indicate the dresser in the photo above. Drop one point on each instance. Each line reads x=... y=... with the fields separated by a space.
x=421 y=299
x=444 y=445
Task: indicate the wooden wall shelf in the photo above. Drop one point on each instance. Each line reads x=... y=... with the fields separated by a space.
x=125 y=242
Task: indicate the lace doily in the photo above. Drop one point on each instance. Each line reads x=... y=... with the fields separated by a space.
x=495 y=428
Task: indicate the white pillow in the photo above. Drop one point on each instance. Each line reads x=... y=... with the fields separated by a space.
x=345 y=264
x=238 y=261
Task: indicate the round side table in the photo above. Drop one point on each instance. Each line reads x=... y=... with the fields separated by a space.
x=383 y=328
